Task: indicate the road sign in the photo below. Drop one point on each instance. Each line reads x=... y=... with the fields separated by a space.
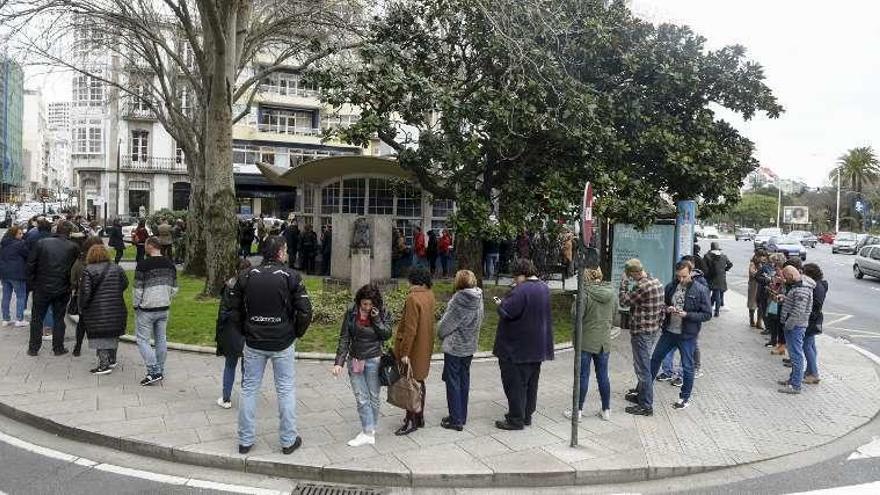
x=587 y=215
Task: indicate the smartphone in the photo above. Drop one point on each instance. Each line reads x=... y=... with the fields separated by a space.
x=374 y=312
x=497 y=300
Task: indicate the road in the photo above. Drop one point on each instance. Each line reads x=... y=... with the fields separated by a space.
x=852 y=309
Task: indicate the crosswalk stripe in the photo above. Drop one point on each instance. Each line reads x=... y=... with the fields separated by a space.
x=864 y=489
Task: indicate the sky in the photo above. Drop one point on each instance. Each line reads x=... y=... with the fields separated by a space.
x=822 y=61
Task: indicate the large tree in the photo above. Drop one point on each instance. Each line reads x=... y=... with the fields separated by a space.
x=509 y=106
x=197 y=66
x=857 y=167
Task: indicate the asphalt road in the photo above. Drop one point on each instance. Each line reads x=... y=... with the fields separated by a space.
x=852 y=308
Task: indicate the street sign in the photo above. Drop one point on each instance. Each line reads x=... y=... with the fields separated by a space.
x=587 y=215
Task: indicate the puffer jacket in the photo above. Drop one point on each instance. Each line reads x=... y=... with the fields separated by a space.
x=13 y=259
x=229 y=337
x=362 y=342
x=798 y=304
x=459 y=328
x=101 y=303
x=816 y=316
x=49 y=264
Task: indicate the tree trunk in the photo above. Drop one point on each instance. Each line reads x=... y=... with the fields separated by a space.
x=196 y=251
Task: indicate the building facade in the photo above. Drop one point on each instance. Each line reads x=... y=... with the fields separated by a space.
x=11 y=115
x=36 y=147
x=61 y=179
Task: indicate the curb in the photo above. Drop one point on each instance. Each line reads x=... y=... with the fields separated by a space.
x=254 y=465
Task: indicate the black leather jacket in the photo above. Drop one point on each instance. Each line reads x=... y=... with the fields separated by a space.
x=49 y=264
x=362 y=342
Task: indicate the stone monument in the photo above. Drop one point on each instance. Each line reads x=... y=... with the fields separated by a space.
x=361 y=251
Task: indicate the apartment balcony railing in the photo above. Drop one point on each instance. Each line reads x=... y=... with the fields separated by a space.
x=267 y=89
x=132 y=111
x=151 y=164
x=290 y=130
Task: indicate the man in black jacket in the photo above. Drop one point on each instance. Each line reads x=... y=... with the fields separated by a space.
x=48 y=273
x=271 y=305
x=291 y=235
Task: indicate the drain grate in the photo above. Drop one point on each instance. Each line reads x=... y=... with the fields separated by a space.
x=320 y=489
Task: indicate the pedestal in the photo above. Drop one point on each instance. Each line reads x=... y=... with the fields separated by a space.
x=361 y=261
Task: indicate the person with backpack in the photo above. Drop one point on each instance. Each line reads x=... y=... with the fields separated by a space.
x=271 y=305
x=364 y=329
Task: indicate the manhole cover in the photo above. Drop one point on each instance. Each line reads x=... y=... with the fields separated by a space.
x=319 y=489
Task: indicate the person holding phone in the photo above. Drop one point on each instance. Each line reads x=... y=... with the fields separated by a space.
x=364 y=329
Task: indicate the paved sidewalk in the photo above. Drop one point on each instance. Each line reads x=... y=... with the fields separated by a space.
x=736 y=416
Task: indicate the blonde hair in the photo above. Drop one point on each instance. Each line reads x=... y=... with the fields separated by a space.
x=778 y=259
x=593 y=274
x=633 y=266
x=464 y=279
x=97 y=254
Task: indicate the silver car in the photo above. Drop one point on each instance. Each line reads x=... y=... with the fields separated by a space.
x=845 y=242
x=867 y=262
x=764 y=235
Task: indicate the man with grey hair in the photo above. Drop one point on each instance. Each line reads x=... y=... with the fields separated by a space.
x=797 y=303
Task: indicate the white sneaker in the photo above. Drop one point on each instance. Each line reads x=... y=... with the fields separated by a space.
x=47 y=335
x=6 y=323
x=680 y=404
x=604 y=414
x=224 y=405
x=698 y=374
x=567 y=414
x=362 y=439
x=22 y=323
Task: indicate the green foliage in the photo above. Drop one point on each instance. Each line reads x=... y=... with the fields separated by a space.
x=858 y=167
x=516 y=104
x=155 y=218
x=755 y=210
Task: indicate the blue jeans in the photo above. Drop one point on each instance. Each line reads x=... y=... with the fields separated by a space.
x=811 y=355
x=794 y=342
x=152 y=324
x=229 y=376
x=600 y=361
x=686 y=347
x=285 y=379
x=642 y=344
x=20 y=289
x=366 y=390
x=717 y=299
x=457 y=375
x=668 y=362
x=491 y=264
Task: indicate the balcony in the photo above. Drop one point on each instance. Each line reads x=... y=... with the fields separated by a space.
x=289 y=130
x=132 y=111
x=151 y=164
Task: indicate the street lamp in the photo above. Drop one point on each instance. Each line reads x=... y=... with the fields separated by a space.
x=837 y=215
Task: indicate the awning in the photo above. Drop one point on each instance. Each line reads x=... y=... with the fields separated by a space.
x=323 y=169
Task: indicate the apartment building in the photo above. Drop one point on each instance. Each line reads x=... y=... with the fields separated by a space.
x=35 y=147
x=11 y=108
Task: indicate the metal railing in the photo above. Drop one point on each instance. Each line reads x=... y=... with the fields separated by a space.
x=131 y=163
x=131 y=110
x=285 y=129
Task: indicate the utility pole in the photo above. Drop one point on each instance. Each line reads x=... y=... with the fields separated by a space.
x=118 y=158
x=778 y=203
x=837 y=214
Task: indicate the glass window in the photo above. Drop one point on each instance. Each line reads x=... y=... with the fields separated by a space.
x=443 y=208
x=87 y=91
x=409 y=201
x=87 y=136
x=308 y=200
x=179 y=156
x=245 y=206
x=139 y=144
x=407 y=228
x=287 y=121
x=334 y=120
x=381 y=197
x=330 y=198
x=267 y=155
x=354 y=192
x=245 y=155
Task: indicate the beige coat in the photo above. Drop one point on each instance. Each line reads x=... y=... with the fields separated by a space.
x=415 y=332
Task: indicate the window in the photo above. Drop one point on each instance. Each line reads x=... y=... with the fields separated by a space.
x=308 y=200
x=87 y=137
x=287 y=84
x=140 y=142
x=407 y=229
x=267 y=155
x=330 y=199
x=354 y=192
x=381 y=197
x=409 y=201
x=179 y=156
x=245 y=155
x=875 y=254
x=337 y=120
x=285 y=121
x=443 y=208
x=87 y=91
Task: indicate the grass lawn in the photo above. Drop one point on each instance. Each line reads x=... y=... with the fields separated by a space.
x=193 y=318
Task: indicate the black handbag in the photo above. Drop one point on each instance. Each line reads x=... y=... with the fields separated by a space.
x=389 y=372
x=73 y=304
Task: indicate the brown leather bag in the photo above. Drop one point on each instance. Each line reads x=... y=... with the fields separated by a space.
x=406 y=393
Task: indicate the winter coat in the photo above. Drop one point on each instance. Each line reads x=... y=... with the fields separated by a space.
x=309 y=243
x=525 y=327
x=798 y=304
x=696 y=304
x=35 y=235
x=567 y=248
x=140 y=236
x=444 y=245
x=421 y=245
x=101 y=303
x=816 y=316
x=415 y=332
x=601 y=303
x=13 y=259
x=228 y=332
x=291 y=236
x=163 y=231
x=717 y=265
x=432 y=246
x=459 y=328
x=49 y=263
x=116 y=239
x=361 y=342
x=327 y=243
x=155 y=283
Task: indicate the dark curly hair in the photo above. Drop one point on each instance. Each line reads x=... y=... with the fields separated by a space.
x=525 y=267
x=813 y=271
x=370 y=292
x=420 y=276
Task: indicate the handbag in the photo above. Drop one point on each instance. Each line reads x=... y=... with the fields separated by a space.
x=73 y=304
x=389 y=373
x=406 y=393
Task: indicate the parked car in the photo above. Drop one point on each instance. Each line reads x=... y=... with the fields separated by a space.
x=826 y=237
x=744 y=234
x=806 y=238
x=845 y=242
x=764 y=235
x=711 y=233
x=867 y=262
x=787 y=245
x=867 y=240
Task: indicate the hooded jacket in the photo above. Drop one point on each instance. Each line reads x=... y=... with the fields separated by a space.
x=13 y=259
x=717 y=266
x=601 y=304
x=798 y=304
x=459 y=328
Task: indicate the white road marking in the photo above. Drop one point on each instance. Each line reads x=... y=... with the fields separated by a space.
x=839 y=320
x=851 y=330
x=865 y=489
x=129 y=472
x=867 y=451
x=868 y=354
x=864 y=336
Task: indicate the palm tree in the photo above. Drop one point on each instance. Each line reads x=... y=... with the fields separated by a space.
x=859 y=166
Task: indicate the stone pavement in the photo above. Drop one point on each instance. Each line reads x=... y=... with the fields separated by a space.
x=736 y=416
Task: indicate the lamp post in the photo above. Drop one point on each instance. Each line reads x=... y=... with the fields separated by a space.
x=837 y=213
x=778 y=203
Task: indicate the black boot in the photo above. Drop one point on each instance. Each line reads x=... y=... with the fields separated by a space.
x=752 y=318
x=407 y=427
